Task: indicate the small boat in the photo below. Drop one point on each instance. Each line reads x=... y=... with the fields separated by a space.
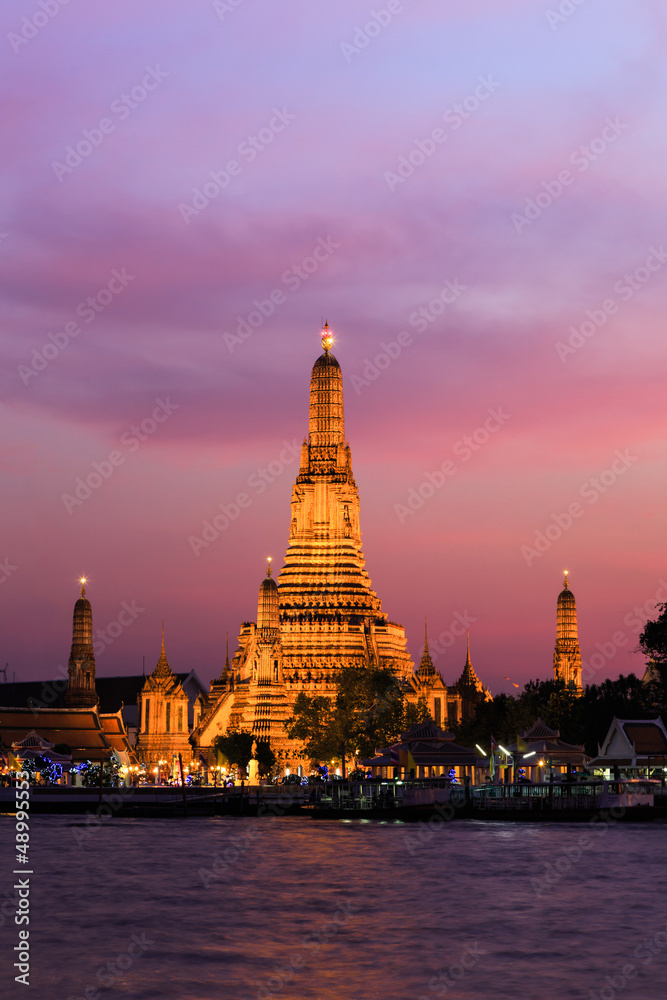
x=617 y=799
x=377 y=798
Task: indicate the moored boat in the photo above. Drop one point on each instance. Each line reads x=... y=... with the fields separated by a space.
x=621 y=799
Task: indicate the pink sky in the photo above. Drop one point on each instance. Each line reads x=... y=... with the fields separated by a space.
x=581 y=99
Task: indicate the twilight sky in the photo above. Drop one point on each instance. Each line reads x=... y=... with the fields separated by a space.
x=473 y=194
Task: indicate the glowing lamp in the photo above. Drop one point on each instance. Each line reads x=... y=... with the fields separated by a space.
x=327 y=338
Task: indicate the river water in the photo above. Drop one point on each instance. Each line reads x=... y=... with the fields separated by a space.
x=295 y=908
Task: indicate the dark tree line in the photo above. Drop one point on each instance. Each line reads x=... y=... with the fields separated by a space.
x=584 y=719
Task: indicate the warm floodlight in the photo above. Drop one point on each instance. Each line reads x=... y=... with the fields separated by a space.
x=483 y=752
x=327 y=337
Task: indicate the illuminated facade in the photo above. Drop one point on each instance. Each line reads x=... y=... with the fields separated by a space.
x=567 y=655
x=162 y=719
x=444 y=703
x=321 y=614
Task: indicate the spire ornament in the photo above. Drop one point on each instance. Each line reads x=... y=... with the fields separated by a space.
x=426 y=667
x=162 y=668
x=327 y=337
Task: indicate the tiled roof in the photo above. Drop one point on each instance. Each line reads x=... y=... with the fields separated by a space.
x=540 y=731
x=646 y=737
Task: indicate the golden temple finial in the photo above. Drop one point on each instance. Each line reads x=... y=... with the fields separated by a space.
x=268 y=566
x=565 y=573
x=468 y=663
x=82 y=581
x=162 y=651
x=425 y=632
x=327 y=337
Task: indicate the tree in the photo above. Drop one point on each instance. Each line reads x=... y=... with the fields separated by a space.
x=236 y=747
x=583 y=720
x=653 y=643
x=368 y=710
x=653 y=640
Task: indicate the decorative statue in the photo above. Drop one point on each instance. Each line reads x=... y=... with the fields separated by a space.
x=253 y=750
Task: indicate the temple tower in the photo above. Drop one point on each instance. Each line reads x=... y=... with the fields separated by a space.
x=81 y=691
x=567 y=655
x=321 y=614
x=267 y=701
x=329 y=614
x=470 y=687
x=162 y=718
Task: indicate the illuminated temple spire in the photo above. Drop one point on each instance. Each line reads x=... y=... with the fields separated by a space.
x=321 y=614
x=162 y=668
x=567 y=654
x=426 y=667
x=468 y=677
x=324 y=579
x=81 y=691
x=324 y=566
